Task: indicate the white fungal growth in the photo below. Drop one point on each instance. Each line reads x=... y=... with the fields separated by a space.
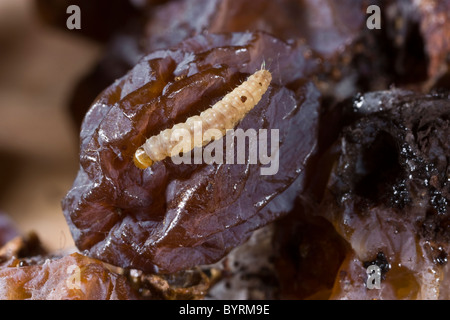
x=214 y=122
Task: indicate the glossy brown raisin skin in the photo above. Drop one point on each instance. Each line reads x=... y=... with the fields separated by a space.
x=172 y=217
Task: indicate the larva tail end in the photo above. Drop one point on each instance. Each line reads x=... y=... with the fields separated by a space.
x=141 y=159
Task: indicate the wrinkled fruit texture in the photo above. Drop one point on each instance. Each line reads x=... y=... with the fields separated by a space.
x=330 y=29
x=73 y=277
x=389 y=195
x=171 y=217
x=385 y=203
x=340 y=23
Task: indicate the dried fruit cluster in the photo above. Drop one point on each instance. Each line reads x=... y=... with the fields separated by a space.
x=175 y=216
x=363 y=173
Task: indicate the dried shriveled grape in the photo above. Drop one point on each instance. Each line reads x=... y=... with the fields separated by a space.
x=389 y=195
x=28 y=271
x=386 y=202
x=171 y=217
x=413 y=33
x=72 y=277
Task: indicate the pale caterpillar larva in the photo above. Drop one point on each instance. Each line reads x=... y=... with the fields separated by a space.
x=222 y=116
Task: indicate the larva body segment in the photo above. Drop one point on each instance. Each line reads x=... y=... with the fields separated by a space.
x=223 y=115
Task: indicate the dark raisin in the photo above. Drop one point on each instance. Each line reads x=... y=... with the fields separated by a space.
x=171 y=218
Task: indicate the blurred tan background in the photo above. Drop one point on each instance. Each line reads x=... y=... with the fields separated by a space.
x=39 y=67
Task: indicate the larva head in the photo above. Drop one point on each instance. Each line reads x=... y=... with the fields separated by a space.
x=256 y=85
x=263 y=78
x=141 y=159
